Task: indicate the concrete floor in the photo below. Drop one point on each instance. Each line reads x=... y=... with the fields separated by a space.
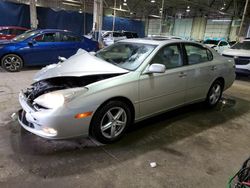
x=193 y=147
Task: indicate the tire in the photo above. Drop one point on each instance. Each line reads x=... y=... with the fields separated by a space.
x=12 y=63
x=214 y=94
x=106 y=126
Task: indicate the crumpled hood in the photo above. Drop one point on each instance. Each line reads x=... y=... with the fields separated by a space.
x=237 y=52
x=80 y=64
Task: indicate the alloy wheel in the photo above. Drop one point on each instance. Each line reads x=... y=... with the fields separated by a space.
x=215 y=94
x=12 y=63
x=113 y=122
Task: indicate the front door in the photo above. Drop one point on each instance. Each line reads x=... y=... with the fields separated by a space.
x=162 y=91
x=43 y=50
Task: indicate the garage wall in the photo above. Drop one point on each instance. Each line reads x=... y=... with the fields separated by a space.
x=183 y=28
x=69 y=20
x=154 y=26
x=14 y=15
x=18 y=15
x=124 y=24
x=216 y=29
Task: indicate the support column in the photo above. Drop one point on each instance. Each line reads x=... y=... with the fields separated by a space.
x=243 y=19
x=97 y=18
x=33 y=15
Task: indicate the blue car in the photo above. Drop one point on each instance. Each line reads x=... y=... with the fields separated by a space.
x=41 y=47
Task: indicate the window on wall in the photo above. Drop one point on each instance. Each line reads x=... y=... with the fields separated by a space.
x=169 y=56
x=197 y=54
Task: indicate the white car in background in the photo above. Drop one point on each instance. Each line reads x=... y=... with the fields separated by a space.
x=110 y=37
x=241 y=54
x=218 y=45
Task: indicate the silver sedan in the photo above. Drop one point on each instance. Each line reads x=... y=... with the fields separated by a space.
x=103 y=94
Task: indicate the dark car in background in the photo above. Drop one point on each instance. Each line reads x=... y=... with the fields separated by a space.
x=41 y=47
x=9 y=32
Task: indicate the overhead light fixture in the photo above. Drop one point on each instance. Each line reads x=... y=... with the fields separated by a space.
x=152 y=1
x=119 y=9
x=71 y=4
x=125 y=4
x=188 y=10
x=221 y=20
x=154 y=16
x=188 y=7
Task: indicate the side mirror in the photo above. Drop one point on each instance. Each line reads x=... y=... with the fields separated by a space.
x=156 y=68
x=31 y=42
x=61 y=59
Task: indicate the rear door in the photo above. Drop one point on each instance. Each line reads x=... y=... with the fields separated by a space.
x=162 y=91
x=200 y=71
x=67 y=45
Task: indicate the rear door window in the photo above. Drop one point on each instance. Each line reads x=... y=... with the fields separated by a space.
x=197 y=54
x=69 y=37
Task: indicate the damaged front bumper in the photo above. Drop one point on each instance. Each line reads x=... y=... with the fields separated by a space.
x=50 y=123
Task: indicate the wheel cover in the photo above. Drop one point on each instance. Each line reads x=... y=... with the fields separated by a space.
x=113 y=122
x=12 y=62
x=215 y=94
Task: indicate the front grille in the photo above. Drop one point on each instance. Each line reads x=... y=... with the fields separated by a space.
x=22 y=118
x=242 y=60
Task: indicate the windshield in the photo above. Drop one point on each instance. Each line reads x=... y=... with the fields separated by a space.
x=25 y=36
x=126 y=55
x=215 y=42
x=245 y=45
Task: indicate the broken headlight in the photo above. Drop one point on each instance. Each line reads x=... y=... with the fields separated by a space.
x=57 y=99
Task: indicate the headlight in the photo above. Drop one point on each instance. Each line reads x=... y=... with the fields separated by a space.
x=50 y=100
x=58 y=98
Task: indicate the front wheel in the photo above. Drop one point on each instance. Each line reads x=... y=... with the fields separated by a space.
x=214 y=94
x=110 y=122
x=12 y=63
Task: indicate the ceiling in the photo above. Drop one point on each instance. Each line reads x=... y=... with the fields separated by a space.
x=143 y=8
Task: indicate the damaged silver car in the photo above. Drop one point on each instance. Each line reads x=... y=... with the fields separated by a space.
x=102 y=94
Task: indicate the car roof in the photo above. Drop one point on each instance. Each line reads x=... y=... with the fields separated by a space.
x=13 y=27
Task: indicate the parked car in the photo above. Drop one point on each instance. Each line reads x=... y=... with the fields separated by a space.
x=129 y=81
x=110 y=37
x=218 y=45
x=240 y=52
x=9 y=32
x=41 y=47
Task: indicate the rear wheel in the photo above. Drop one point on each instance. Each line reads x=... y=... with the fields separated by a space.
x=214 y=94
x=12 y=63
x=110 y=122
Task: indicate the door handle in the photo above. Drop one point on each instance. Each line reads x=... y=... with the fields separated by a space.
x=213 y=68
x=182 y=74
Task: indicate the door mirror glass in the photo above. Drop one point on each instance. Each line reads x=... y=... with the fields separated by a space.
x=156 y=68
x=31 y=42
